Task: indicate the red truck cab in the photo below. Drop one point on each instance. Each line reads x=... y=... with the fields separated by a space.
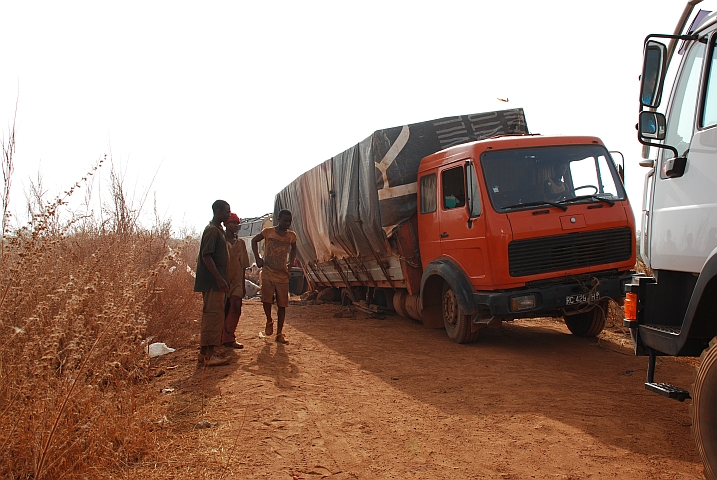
x=522 y=226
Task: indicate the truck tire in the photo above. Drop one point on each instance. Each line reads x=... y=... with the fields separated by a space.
x=588 y=324
x=703 y=412
x=458 y=325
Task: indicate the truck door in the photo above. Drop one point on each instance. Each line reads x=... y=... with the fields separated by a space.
x=462 y=225
x=684 y=217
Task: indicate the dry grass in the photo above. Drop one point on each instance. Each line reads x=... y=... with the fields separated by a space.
x=75 y=304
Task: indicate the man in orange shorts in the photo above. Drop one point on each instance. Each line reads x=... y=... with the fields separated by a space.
x=279 y=244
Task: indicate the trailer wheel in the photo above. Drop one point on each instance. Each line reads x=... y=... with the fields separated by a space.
x=458 y=325
x=588 y=324
x=703 y=412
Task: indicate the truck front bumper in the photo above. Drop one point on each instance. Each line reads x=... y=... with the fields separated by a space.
x=554 y=298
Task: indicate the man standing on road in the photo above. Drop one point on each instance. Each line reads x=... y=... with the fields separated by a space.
x=211 y=281
x=279 y=243
x=238 y=262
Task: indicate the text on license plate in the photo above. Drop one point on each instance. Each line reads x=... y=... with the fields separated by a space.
x=582 y=298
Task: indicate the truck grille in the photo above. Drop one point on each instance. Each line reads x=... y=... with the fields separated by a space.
x=564 y=252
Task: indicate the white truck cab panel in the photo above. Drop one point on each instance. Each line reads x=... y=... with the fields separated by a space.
x=682 y=220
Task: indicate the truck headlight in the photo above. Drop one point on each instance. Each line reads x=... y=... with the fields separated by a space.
x=523 y=302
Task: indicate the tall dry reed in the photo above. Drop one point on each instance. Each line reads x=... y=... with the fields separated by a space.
x=76 y=302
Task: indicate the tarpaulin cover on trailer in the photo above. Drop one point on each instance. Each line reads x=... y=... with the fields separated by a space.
x=348 y=205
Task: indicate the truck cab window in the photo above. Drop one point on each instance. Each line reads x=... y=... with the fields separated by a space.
x=454 y=195
x=527 y=178
x=588 y=177
x=680 y=125
x=428 y=193
x=709 y=114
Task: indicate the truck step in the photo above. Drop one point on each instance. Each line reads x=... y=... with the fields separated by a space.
x=662 y=338
x=664 y=329
x=478 y=320
x=669 y=391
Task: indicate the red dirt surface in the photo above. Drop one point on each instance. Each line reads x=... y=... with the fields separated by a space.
x=354 y=397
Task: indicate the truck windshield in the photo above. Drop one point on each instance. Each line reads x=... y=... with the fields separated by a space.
x=550 y=176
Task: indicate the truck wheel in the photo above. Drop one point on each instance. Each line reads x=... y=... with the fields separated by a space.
x=588 y=324
x=704 y=415
x=458 y=325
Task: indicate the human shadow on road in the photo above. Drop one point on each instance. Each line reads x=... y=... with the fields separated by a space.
x=275 y=365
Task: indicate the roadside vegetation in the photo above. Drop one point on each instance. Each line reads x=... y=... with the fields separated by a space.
x=79 y=297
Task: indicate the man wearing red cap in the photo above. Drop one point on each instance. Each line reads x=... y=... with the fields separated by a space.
x=238 y=262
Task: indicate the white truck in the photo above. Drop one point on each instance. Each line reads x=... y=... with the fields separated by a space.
x=674 y=311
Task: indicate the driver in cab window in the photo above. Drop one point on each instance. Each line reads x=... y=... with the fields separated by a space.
x=555 y=187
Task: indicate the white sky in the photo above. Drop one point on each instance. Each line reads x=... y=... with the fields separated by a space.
x=234 y=100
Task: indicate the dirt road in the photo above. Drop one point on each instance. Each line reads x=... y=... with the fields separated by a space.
x=371 y=399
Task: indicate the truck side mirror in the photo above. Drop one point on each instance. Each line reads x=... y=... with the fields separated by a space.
x=620 y=166
x=472 y=194
x=654 y=69
x=652 y=125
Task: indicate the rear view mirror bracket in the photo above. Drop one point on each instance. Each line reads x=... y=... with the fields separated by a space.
x=658 y=145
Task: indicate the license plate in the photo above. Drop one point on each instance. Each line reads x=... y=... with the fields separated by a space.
x=582 y=298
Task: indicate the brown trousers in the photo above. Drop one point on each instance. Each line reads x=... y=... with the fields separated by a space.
x=232 y=320
x=212 y=318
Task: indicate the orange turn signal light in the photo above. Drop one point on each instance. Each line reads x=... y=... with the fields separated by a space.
x=631 y=306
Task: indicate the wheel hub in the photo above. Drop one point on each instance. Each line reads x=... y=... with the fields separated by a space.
x=450 y=307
